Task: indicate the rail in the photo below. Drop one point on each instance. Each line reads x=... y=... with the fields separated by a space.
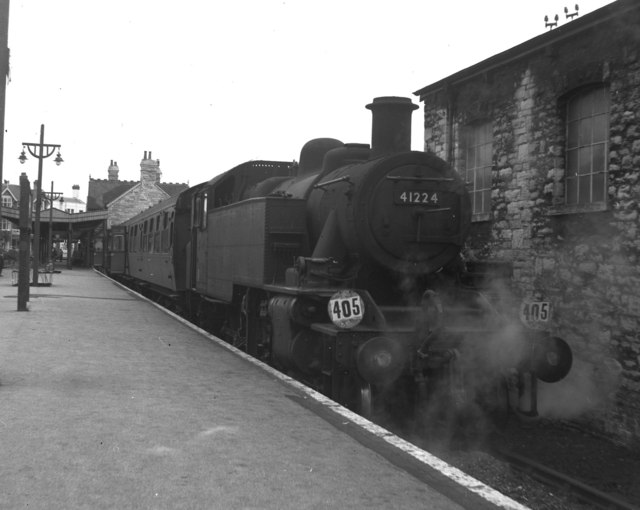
x=559 y=480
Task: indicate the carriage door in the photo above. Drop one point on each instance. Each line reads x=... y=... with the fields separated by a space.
x=116 y=251
x=198 y=261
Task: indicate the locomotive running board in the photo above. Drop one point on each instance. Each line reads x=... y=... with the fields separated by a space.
x=330 y=329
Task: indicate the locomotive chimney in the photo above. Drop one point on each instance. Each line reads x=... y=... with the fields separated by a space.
x=391 y=125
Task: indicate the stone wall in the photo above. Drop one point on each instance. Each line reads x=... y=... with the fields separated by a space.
x=584 y=261
x=140 y=197
x=133 y=202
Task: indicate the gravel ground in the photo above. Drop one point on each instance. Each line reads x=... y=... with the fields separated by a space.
x=599 y=463
x=610 y=468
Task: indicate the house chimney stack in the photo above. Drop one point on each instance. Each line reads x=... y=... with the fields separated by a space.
x=150 y=172
x=113 y=171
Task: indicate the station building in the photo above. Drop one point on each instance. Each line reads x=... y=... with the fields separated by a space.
x=547 y=135
x=82 y=226
x=120 y=200
x=59 y=211
x=124 y=199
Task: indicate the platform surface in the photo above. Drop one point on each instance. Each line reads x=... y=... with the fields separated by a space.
x=108 y=402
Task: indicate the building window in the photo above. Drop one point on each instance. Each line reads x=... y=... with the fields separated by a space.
x=587 y=147
x=477 y=152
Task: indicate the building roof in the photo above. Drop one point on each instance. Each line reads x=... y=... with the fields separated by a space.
x=171 y=188
x=104 y=191
x=12 y=189
x=617 y=10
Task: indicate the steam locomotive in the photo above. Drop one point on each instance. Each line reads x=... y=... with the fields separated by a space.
x=344 y=270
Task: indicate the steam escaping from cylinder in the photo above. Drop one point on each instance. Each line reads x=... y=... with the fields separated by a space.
x=587 y=387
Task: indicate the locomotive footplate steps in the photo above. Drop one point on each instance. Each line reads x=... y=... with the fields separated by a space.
x=123 y=405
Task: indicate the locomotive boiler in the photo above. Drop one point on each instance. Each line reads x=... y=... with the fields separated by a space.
x=344 y=270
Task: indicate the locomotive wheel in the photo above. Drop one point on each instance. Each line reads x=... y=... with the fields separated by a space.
x=356 y=396
x=365 y=403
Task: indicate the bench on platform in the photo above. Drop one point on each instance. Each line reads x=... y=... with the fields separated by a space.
x=45 y=278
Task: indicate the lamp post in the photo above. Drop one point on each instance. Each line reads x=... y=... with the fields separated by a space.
x=41 y=151
x=51 y=196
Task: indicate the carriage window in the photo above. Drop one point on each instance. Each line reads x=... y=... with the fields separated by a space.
x=156 y=236
x=203 y=213
x=587 y=118
x=476 y=164
x=164 y=241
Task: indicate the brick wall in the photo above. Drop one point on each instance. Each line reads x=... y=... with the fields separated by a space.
x=584 y=260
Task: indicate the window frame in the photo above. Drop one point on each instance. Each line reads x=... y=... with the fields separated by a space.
x=477 y=141
x=578 y=126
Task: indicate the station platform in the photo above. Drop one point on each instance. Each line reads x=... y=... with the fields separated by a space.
x=108 y=401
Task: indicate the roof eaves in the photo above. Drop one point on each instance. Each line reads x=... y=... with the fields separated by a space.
x=531 y=46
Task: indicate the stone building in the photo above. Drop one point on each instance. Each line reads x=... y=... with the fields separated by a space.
x=125 y=199
x=548 y=136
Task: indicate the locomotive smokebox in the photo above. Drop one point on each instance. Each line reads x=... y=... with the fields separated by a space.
x=391 y=125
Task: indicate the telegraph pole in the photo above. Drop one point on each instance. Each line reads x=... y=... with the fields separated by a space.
x=4 y=73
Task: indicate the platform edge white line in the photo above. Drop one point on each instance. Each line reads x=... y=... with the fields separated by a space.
x=456 y=475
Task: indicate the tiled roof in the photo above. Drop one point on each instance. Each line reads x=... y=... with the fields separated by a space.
x=171 y=188
x=103 y=191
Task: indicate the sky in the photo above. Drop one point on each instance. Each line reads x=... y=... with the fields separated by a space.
x=206 y=85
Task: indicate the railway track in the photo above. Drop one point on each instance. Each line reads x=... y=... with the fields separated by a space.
x=532 y=481
x=563 y=483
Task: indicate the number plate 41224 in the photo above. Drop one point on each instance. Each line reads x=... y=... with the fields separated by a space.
x=407 y=197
